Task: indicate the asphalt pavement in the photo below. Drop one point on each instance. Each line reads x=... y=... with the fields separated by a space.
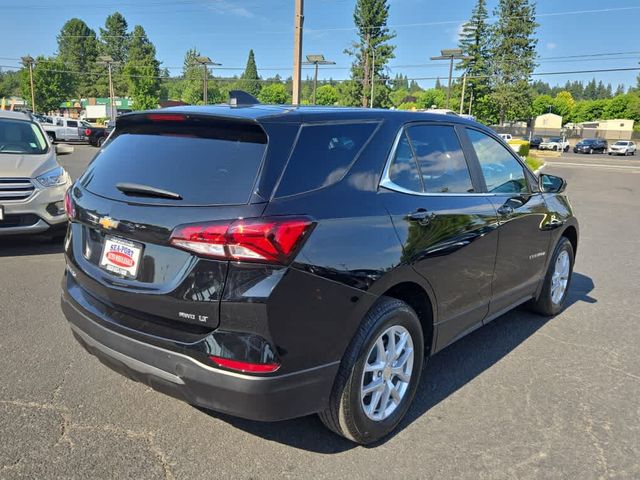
x=524 y=397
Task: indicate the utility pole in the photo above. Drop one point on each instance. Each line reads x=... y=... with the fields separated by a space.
x=464 y=86
x=316 y=60
x=206 y=62
x=450 y=54
x=373 y=74
x=28 y=62
x=109 y=62
x=297 y=50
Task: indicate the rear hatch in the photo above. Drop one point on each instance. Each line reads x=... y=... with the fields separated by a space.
x=157 y=172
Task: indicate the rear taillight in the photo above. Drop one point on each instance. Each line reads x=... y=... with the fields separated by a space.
x=245 y=366
x=87 y=132
x=272 y=240
x=166 y=117
x=68 y=205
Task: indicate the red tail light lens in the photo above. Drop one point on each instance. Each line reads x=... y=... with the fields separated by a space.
x=245 y=366
x=166 y=117
x=87 y=132
x=68 y=205
x=272 y=240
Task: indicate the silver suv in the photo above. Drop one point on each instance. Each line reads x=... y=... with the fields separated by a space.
x=32 y=183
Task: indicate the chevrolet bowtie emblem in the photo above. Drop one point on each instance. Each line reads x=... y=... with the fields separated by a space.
x=108 y=223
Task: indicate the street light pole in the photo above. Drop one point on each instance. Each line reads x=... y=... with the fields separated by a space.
x=464 y=86
x=28 y=61
x=297 y=50
x=373 y=74
x=206 y=62
x=451 y=54
x=316 y=60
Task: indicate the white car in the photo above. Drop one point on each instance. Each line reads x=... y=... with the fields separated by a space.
x=506 y=137
x=622 y=147
x=555 y=143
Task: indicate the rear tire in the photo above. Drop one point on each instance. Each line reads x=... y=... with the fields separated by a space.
x=52 y=137
x=557 y=281
x=100 y=142
x=351 y=412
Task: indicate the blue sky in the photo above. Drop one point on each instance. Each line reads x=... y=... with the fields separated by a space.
x=225 y=30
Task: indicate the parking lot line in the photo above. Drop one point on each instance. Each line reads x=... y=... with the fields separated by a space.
x=594 y=165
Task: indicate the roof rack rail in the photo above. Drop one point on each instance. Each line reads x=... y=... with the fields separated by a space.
x=240 y=98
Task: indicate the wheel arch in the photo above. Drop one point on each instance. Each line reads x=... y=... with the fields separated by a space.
x=571 y=234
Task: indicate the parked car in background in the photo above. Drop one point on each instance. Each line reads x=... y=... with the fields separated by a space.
x=534 y=142
x=96 y=136
x=506 y=136
x=623 y=147
x=554 y=143
x=304 y=260
x=591 y=145
x=32 y=183
x=63 y=129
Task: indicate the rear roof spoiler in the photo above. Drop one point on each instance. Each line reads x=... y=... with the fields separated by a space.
x=240 y=98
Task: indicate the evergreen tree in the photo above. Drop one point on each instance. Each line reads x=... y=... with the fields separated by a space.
x=591 y=90
x=620 y=90
x=114 y=42
x=371 y=53
x=250 y=80
x=142 y=71
x=52 y=84
x=514 y=55
x=193 y=78
x=438 y=84
x=475 y=44
x=78 y=50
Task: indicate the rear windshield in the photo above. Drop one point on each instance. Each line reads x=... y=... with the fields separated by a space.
x=21 y=137
x=205 y=161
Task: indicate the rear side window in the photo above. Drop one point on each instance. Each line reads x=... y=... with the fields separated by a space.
x=206 y=161
x=322 y=155
x=72 y=123
x=404 y=169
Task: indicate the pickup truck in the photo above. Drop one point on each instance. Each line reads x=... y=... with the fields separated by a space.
x=555 y=143
x=97 y=135
x=61 y=129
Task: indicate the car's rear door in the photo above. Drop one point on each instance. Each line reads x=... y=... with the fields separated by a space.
x=446 y=227
x=120 y=250
x=524 y=236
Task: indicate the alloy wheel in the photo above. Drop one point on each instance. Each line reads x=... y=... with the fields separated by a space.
x=560 y=277
x=387 y=373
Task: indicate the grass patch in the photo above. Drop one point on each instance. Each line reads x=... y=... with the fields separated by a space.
x=534 y=163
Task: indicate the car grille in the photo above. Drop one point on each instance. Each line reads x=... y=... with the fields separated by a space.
x=15 y=189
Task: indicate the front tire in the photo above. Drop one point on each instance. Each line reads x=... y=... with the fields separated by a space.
x=552 y=299
x=379 y=374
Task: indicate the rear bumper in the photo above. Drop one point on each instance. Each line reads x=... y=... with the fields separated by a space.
x=267 y=398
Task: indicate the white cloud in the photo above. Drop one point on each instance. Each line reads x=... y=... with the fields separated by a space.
x=229 y=8
x=551 y=45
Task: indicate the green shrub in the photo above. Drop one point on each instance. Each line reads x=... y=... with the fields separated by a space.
x=524 y=149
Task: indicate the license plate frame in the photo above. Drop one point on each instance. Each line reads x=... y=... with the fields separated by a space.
x=124 y=260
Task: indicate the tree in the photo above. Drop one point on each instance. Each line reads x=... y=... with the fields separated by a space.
x=276 y=93
x=400 y=96
x=371 y=52
x=193 y=78
x=250 y=81
x=591 y=90
x=620 y=90
x=327 y=95
x=514 y=54
x=9 y=83
x=142 y=71
x=431 y=97
x=114 y=42
x=541 y=104
x=475 y=43
x=52 y=85
x=78 y=50
x=563 y=104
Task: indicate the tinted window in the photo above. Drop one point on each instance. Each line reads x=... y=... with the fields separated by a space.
x=205 y=161
x=440 y=159
x=502 y=172
x=403 y=171
x=21 y=137
x=72 y=123
x=322 y=156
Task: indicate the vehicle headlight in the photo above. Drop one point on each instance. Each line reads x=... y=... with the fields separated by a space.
x=53 y=178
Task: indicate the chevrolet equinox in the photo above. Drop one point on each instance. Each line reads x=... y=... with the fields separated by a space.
x=271 y=262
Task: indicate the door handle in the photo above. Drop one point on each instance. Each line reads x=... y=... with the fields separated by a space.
x=505 y=210
x=422 y=216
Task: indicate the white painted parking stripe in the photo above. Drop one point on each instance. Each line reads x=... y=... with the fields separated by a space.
x=594 y=165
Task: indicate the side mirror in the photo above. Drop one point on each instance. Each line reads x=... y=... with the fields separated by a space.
x=62 y=149
x=552 y=184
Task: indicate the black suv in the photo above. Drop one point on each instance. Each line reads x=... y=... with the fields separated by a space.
x=272 y=262
x=591 y=145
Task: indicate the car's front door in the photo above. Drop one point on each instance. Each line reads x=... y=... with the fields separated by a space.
x=71 y=130
x=447 y=229
x=524 y=232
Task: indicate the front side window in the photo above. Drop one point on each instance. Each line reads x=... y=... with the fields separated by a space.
x=502 y=172
x=322 y=156
x=20 y=137
x=440 y=159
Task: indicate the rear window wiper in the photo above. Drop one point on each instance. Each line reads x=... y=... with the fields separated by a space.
x=146 y=190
